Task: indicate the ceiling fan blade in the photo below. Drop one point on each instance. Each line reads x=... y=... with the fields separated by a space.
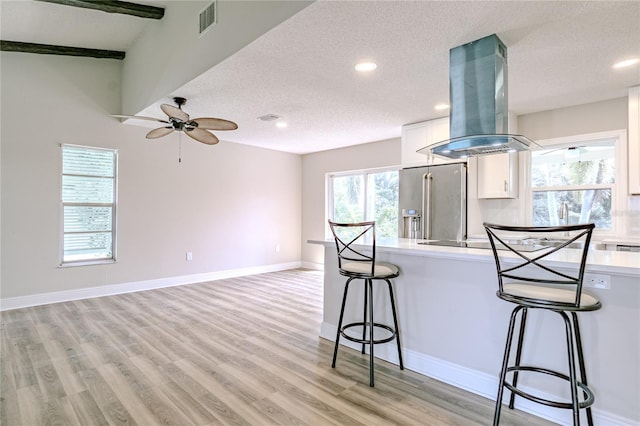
x=174 y=112
x=202 y=135
x=214 y=123
x=567 y=148
x=138 y=117
x=159 y=132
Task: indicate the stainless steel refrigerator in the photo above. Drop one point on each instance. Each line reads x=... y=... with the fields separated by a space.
x=433 y=202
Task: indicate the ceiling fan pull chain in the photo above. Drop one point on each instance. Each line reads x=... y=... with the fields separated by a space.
x=179 y=147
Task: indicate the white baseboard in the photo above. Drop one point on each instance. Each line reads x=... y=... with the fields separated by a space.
x=314 y=266
x=474 y=381
x=110 y=290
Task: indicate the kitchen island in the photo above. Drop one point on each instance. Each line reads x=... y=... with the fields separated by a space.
x=453 y=326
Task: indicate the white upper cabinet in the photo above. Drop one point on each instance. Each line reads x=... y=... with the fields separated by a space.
x=634 y=140
x=414 y=137
x=417 y=136
x=498 y=175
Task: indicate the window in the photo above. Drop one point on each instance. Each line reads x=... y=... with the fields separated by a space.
x=88 y=204
x=365 y=196
x=574 y=184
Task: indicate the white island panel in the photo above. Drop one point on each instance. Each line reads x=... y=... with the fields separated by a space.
x=453 y=326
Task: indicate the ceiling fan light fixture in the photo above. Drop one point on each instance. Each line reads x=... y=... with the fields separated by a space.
x=179 y=121
x=179 y=101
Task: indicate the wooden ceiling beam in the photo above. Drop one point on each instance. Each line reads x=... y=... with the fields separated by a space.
x=112 y=6
x=49 y=49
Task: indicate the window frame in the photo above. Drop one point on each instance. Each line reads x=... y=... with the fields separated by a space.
x=113 y=205
x=329 y=189
x=618 y=188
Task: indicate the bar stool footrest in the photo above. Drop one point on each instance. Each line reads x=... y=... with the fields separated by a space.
x=367 y=341
x=588 y=394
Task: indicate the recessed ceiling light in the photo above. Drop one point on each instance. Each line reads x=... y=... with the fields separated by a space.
x=441 y=107
x=281 y=124
x=626 y=63
x=366 y=66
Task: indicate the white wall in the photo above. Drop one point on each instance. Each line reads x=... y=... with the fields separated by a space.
x=229 y=204
x=609 y=115
x=577 y=120
x=597 y=117
x=591 y=118
x=314 y=169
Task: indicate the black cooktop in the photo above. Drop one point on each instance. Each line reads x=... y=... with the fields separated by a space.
x=479 y=244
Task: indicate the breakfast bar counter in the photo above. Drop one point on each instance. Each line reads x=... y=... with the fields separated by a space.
x=453 y=326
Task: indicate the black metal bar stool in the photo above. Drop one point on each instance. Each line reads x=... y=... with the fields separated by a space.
x=356 y=244
x=530 y=281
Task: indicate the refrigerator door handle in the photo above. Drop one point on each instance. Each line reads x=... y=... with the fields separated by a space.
x=426 y=205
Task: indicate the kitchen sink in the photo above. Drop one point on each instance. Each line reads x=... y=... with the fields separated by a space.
x=575 y=244
x=558 y=243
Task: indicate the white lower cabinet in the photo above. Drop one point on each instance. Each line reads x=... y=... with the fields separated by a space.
x=498 y=175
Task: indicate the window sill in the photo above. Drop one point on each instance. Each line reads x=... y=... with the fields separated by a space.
x=86 y=263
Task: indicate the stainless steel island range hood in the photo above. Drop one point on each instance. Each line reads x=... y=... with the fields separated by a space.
x=478 y=96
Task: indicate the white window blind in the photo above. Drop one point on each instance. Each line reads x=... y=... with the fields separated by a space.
x=88 y=204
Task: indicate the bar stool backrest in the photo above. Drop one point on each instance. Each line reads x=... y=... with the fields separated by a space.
x=537 y=251
x=355 y=242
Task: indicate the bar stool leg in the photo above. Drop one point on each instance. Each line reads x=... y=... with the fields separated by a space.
x=364 y=316
x=505 y=362
x=344 y=301
x=572 y=368
x=395 y=323
x=581 y=365
x=523 y=322
x=370 y=285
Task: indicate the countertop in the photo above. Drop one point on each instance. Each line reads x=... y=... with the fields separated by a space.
x=599 y=261
x=623 y=241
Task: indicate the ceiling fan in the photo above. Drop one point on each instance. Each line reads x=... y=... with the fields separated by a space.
x=579 y=149
x=179 y=121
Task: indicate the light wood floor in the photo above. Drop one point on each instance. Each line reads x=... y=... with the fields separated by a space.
x=242 y=351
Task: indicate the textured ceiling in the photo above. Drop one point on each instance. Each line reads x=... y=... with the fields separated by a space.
x=560 y=54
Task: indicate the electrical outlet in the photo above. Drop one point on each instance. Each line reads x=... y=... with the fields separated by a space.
x=597 y=281
x=189 y=256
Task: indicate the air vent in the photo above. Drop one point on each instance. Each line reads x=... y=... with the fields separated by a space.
x=268 y=117
x=208 y=17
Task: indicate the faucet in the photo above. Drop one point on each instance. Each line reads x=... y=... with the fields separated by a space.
x=564 y=214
